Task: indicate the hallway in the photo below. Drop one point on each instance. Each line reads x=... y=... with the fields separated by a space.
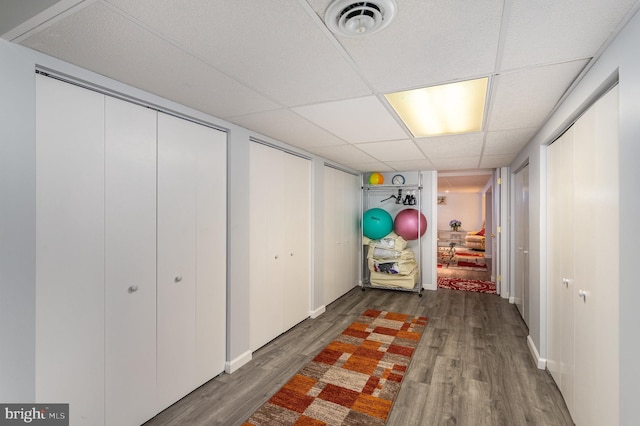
x=472 y=367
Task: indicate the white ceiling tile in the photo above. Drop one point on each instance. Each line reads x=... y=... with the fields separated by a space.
x=548 y=31
x=457 y=163
x=343 y=154
x=411 y=165
x=132 y=55
x=525 y=98
x=507 y=141
x=370 y=166
x=495 y=161
x=399 y=150
x=297 y=130
x=355 y=120
x=273 y=46
x=428 y=43
x=274 y=68
x=451 y=145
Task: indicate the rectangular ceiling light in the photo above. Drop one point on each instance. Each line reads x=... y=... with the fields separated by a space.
x=440 y=110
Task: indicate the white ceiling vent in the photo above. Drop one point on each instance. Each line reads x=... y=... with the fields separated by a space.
x=359 y=18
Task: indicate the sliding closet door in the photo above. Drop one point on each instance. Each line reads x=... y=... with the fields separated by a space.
x=130 y=256
x=266 y=190
x=297 y=228
x=279 y=249
x=521 y=225
x=191 y=265
x=211 y=251
x=596 y=275
x=70 y=249
x=560 y=273
x=350 y=229
x=342 y=211
x=332 y=243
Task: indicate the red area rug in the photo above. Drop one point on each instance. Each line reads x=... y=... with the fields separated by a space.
x=354 y=380
x=463 y=266
x=467 y=285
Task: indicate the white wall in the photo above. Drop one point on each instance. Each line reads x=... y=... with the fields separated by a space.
x=17 y=216
x=17 y=224
x=466 y=207
x=620 y=57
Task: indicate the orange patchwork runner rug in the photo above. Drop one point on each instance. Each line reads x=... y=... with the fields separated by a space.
x=354 y=380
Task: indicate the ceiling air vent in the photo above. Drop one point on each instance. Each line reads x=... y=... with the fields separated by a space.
x=359 y=18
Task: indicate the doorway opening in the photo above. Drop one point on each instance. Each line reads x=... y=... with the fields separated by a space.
x=465 y=224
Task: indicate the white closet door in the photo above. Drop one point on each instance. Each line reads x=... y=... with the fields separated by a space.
x=597 y=275
x=353 y=228
x=130 y=256
x=342 y=208
x=296 y=230
x=211 y=275
x=350 y=215
x=177 y=245
x=70 y=249
x=331 y=236
x=266 y=190
x=560 y=281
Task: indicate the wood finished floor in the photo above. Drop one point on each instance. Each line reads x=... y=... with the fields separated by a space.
x=472 y=367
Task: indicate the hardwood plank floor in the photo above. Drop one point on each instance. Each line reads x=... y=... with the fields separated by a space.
x=472 y=366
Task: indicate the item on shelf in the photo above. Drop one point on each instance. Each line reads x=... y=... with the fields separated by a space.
x=376 y=178
x=410 y=224
x=407 y=282
x=455 y=224
x=390 y=241
x=376 y=223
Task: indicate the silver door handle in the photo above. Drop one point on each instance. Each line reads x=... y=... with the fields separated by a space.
x=582 y=294
x=178 y=278
x=133 y=289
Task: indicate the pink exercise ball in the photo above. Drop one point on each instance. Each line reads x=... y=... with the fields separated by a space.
x=410 y=224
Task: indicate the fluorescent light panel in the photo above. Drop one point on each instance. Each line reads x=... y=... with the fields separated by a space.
x=445 y=109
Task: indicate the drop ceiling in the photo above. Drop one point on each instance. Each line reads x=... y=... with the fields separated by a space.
x=274 y=67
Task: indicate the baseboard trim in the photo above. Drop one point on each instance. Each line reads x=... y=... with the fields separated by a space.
x=512 y=300
x=235 y=364
x=317 y=312
x=429 y=286
x=541 y=363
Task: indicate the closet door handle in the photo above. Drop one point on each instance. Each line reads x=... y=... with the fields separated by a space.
x=133 y=289
x=565 y=281
x=178 y=278
x=583 y=295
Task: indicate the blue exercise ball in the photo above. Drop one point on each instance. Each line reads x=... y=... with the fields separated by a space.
x=376 y=223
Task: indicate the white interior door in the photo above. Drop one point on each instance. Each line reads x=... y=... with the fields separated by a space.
x=350 y=230
x=521 y=224
x=297 y=228
x=130 y=262
x=331 y=236
x=597 y=276
x=69 y=333
x=560 y=282
x=266 y=189
x=211 y=233
x=177 y=245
